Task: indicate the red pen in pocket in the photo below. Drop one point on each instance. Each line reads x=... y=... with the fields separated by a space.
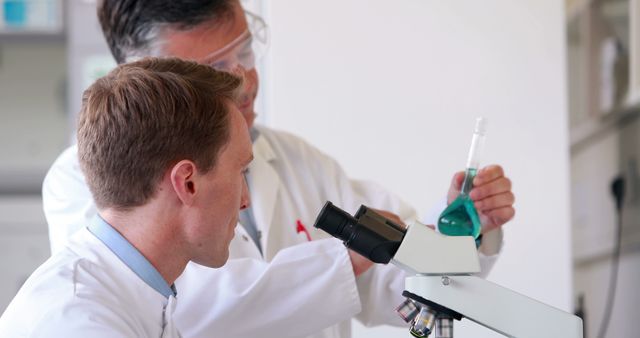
x=301 y=228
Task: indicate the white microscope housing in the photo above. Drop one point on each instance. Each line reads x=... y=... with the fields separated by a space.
x=443 y=287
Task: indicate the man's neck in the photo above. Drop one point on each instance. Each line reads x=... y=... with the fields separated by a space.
x=154 y=236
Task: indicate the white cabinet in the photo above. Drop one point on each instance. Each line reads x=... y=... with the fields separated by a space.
x=604 y=91
x=603 y=49
x=635 y=51
x=604 y=57
x=603 y=41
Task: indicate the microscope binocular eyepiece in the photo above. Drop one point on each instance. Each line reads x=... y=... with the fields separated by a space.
x=367 y=232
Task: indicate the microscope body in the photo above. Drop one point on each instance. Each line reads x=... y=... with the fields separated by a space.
x=443 y=286
x=448 y=282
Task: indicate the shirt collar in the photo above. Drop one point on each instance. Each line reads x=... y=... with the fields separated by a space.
x=130 y=256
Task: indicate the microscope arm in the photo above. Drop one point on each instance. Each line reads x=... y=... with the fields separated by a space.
x=443 y=266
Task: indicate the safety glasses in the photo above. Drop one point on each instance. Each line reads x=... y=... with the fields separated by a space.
x=244 y=50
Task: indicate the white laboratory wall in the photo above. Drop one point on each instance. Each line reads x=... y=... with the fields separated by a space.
x=391 y=89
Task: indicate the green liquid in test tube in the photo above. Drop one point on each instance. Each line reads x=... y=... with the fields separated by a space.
x=460 y=218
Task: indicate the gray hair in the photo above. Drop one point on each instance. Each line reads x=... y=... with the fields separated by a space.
x=134 y=28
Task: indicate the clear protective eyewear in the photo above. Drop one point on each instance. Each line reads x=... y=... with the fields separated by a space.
x=244 y=50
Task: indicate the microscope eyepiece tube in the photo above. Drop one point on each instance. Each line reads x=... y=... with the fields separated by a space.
x=368 y=233
x=335 y=221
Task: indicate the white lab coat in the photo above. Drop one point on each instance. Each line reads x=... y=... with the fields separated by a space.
x=85 y=290
x=296 y=288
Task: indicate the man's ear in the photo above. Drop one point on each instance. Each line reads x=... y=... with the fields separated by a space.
x=182 y=176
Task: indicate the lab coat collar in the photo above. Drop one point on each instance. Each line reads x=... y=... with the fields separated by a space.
x=264 y=184
x=261 y=146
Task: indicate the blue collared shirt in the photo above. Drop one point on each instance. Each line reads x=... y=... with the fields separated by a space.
x=130 y=256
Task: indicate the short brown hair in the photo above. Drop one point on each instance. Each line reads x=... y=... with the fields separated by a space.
x=143 y=117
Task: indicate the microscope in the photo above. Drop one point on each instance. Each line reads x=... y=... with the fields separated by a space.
x=442 y=287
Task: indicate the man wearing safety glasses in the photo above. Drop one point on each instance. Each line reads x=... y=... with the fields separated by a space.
x=283 y=278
